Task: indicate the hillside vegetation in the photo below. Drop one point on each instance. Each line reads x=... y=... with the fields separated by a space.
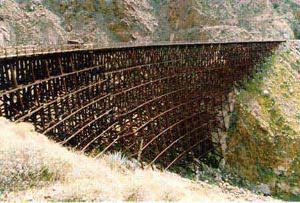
x=34 y=168
x=264 y=136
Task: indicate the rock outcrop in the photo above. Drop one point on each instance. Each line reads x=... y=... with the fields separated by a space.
x=264 y=137
x=100 y=21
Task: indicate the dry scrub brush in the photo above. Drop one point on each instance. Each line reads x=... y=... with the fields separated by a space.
x=27 y=159
x=34 y=168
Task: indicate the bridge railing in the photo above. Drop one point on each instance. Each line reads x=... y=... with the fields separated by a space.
x=27 y=50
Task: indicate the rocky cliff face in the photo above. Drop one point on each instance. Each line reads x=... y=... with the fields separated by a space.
x=24 y=24
x=221 y=20
x=103 y=21
x=264 y=137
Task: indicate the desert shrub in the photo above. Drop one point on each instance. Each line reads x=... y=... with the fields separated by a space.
x=27 y=167
x=25 y=162
x=275 y=5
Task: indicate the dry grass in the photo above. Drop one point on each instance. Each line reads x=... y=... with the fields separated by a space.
x=34 y=168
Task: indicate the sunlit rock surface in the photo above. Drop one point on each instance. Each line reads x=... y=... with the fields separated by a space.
x=263 y=142
x=101 y=21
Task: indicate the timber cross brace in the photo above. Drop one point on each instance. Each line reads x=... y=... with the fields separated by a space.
x=159 y=103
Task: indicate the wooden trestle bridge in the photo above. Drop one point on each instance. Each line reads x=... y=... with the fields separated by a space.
x=159 y=103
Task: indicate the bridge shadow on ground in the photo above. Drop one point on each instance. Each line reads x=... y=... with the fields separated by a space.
x=157 y=103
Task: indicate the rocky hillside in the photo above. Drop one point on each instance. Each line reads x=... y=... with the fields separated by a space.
x=101 y=21
x=264 y=137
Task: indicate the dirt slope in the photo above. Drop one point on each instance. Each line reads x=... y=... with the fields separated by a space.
x=34 y=168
